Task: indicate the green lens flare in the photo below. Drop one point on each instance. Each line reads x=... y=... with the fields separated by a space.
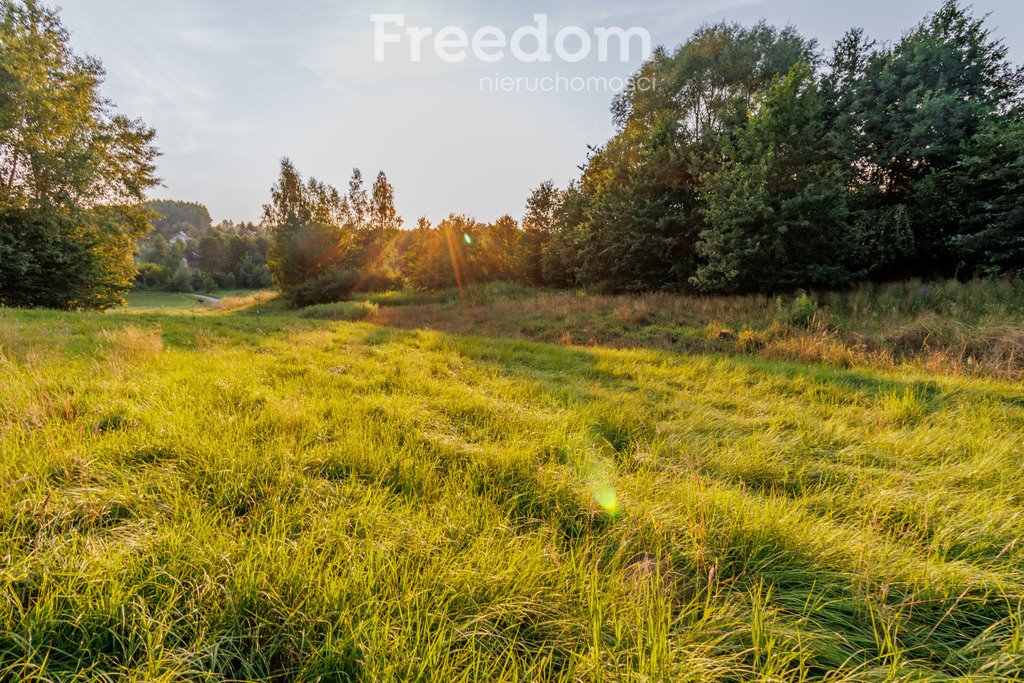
x=601 y=488
x=469 y=240
x=608 y=499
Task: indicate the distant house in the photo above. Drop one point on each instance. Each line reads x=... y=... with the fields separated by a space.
x=181 y=238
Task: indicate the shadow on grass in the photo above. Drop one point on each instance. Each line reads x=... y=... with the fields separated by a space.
x=545 y=361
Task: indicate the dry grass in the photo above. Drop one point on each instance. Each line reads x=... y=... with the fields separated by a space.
x=237 y=303
x=966 y=329
x=132 y=342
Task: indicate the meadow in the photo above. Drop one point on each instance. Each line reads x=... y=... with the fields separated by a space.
x=512 y=484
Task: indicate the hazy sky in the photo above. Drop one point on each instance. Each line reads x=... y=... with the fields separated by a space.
x=234 y=85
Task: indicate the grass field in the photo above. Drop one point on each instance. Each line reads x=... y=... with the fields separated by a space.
x=542 y=487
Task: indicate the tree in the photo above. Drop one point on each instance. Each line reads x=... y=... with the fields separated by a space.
x=73 y=172
x=305 y=222
x=450 y=255
x=160 y=251
x=356 y=205
x=502 y=246
x=174 y=216
x=561 y=262
x=414 y=250
x=776 y=216
x=214 y=257
x=383 y=217
x=987 y=187
x=641 y=207
x=642 y=217
x=253 y=273
x=384 y=224
x=539 y=225
x=907 y=109
x=746 y=167
x=710 y=81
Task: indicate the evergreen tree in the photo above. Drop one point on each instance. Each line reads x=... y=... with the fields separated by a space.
x=907 y=110
x=161 y=250
x=986 y=188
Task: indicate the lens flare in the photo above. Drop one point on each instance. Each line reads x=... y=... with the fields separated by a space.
x=469 y=240
x=602 y=489
x=454 y=253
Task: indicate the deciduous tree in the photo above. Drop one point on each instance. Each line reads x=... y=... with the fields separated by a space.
x=73 y=172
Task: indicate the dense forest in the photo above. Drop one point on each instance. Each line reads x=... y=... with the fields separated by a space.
x=759 y=162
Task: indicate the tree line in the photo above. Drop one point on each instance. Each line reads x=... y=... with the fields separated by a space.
x=758 y=163
x=762 y=163
x=186 y=252
x=326 y=245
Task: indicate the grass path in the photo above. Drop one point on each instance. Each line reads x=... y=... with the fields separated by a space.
x=232 y=497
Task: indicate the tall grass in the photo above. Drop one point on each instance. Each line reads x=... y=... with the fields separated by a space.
x=974 y=328
x=233 y=496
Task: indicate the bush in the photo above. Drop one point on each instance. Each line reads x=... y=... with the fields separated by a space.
x=203 y=282
x=254 y=274
x=377 y=281
x=225 y=280
x=802 y=311
x=152 y=276
x=331 y=287
x=181 y=281
x=348 y=311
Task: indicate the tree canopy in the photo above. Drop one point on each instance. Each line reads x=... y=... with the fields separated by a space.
x=73 y=172
x=756 y=163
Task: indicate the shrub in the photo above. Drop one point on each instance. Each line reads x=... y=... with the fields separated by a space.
x=377 y=281
x=348 y=311
x=254 y=274
x=802 y=311
x=181 y=281
x=203 y=282
x=152 y=276
x=331 y=287
x=717 y=333
x=225 y=280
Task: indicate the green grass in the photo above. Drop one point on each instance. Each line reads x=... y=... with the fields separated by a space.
x=154 y=301
x=235 y=496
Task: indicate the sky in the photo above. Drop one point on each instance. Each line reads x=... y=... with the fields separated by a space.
x=233 y=86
